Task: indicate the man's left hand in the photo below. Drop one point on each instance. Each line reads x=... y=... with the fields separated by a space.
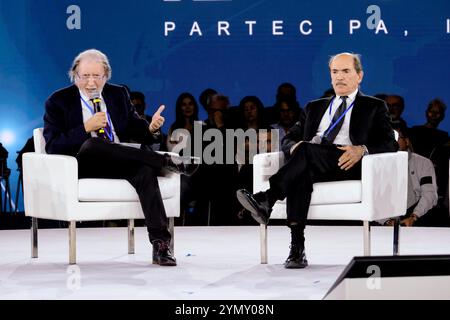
x=350 y=157
x=157 y=120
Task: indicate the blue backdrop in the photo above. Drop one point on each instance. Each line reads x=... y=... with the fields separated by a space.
x=163 y=48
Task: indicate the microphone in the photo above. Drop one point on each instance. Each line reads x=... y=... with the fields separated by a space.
x=95 y=98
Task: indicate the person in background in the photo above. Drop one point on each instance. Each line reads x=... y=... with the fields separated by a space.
x=290 y=114
x=422 y=189
x=205 y=96
x=285 y=92
x=138 y=101
x=396 y=106
x=186 y=114
x=427 y=137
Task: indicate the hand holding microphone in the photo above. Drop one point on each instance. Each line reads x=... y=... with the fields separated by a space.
x=99 y=120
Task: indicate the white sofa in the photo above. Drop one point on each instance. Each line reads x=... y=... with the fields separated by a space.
x=53 y=191
x=381 y=193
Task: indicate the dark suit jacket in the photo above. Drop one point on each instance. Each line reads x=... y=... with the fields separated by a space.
x=369 y=125
x=64 y=131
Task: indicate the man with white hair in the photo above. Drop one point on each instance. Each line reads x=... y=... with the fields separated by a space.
x=89 y=118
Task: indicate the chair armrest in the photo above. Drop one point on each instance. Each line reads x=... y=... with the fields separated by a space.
x=50 y=184
x=384 y=180
x=264 y=166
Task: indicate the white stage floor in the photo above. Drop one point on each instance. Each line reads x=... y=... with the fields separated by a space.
x=214 y=263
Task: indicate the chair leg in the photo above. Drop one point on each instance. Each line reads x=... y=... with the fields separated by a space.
x=130 y=236
x=172 y=232
x=34 y=237
x=7 y=195
x=1 y=196
x=366 y=238
x=8 y=190
x=19 y=187
x=263 y=239
x=396 y=248
x=208 y=223
x=72 y=242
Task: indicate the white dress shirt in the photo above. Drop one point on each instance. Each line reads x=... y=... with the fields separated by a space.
x=343 y=137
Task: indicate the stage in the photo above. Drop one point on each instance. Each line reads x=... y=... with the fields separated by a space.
x=214 y=263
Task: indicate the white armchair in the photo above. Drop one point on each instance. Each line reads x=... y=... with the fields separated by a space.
x=381 y=193
x=53 y=191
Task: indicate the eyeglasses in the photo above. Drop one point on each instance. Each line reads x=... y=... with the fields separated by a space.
x=86 y=77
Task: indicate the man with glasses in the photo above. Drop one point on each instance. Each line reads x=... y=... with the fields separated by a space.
x=88 y=120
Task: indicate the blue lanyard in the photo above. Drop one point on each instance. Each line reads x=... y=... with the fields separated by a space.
x=108 y=134
x=337 y=121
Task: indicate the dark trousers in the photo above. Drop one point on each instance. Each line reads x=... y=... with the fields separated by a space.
x=99 y=158
x=310 y=163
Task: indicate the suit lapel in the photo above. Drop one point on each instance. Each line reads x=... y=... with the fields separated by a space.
x=113 y=111
x=355 y=119
x=323 y=107
x=74 y=106
x=318 y=112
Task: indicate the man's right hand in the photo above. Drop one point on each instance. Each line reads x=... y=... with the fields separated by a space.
x=99 y=120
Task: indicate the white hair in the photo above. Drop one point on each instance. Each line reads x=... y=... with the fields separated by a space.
x=91 y=54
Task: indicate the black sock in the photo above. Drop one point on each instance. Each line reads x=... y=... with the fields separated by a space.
x=297 y=235
x=166 y=160
x=271 y=196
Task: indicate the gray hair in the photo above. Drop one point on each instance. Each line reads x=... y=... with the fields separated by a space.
x=356 y=60
x=91 y=54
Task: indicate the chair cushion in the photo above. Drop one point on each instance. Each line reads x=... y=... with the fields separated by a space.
x=117 y=190
x=335 y=192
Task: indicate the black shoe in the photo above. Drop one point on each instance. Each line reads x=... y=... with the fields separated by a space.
x=258 y=205
x=297 y=258
x=182 y=165
x=162 y=254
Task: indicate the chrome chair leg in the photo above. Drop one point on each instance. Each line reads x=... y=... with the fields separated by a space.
x=72 y=242
x=34 y=237
x=366 y=238
x=131 y=236
x=396 y=239
x=172 y=232
x=263 y=239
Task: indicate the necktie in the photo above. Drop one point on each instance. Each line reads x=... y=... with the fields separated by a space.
x=331 y=135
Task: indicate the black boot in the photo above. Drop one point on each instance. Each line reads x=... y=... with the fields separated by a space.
x=182 y=165
x=259 y=204
x=297 y=257
x=162 y=254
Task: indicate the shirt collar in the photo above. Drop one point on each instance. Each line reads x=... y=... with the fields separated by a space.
x=351 y=96
x=86 y=98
